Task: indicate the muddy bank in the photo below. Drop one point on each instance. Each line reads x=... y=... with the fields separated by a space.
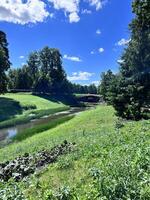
x=25 y=165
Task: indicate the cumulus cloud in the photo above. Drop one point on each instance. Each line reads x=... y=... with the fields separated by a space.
x=20 y=12
x=72 y=58
x=33 y=11
x=101 y=50
x=123 y=42
x=70 y=7
x=74 y=17
x=80 y=76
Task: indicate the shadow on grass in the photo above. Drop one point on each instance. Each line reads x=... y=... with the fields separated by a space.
x=9 y=108
x=67 y=99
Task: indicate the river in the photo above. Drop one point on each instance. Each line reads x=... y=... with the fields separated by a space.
x=8 y=133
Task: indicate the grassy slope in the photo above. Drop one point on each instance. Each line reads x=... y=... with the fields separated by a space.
x=108 y=163
x=17 y=108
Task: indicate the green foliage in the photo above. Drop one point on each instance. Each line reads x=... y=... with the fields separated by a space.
x=42 y=74
x=11 y=191
x=65 y=193
x=83 y=89
x=132 y=93
x=65 y=163
x=4 y=62
x=107 y=80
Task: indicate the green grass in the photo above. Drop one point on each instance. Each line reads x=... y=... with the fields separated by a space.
x=40 y=128
x=110 y=162
x=22 y=107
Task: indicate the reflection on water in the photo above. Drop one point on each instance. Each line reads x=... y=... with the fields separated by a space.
x=12 y=131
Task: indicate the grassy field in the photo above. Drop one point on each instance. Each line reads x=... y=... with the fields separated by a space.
x=110 y=160
x=22 y=107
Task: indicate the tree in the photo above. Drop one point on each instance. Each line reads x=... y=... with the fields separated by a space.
x=4 y=62
x=20 y=78
x=12 y=78
x=133 y=89
x=42 y=85
x=106 y=82
x=92 y=89
x=51 y=67
x=33 y=63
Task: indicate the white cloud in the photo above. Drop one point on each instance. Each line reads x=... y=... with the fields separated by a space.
x=96 y=83
x=92 y=52
x=72 y=58
x=33 y=11
x=21 y=57
x=70 y=7
x=74 y=17
x=80 y=76
x=86 y=11
x=120 y=61
x=19 y=12
x=123 y=42
x=52 y=15
x=97 y=3
x=98 y=31
x=101 y=50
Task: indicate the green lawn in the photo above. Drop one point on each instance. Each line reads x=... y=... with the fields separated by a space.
x=110 y=161
x=22 y=107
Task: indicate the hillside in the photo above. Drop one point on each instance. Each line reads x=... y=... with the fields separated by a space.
x=22 y=107
x=109 y=161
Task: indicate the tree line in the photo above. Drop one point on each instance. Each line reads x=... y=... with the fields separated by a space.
x=42 y=73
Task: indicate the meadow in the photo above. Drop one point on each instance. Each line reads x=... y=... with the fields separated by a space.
x=109 y=161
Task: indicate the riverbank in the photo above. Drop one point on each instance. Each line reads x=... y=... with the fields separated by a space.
x=23 y=107
x=110 y=159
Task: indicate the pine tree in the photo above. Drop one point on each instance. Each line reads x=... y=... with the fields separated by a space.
x=4 y=62
x=133 y=91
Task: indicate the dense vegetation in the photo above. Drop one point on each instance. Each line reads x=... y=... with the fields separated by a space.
x=4 y=61
x=129 y=90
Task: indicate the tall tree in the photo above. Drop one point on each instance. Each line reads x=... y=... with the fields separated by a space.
x=4 y=61
x=106 y=82
x=33 y=63
x=133 y=91
x=51 y=68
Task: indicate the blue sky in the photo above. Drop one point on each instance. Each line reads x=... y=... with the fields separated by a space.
x=91 y=34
